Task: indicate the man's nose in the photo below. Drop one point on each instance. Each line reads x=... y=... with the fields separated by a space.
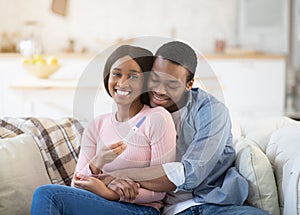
x=160 y=89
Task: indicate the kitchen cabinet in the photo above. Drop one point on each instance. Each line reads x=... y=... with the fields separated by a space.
x=44 y=97
x=249 y=85
x=58 y=98
x=55 y=97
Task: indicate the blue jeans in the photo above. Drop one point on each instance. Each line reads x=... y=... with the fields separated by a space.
x=208 y=209
x=58 y=199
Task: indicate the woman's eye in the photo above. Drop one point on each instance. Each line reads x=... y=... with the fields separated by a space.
x=115 y=74
x=133 y=77
x=154 y=80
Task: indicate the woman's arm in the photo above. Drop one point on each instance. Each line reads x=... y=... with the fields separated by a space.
x=94 y=185
x=87 y=150
x=94 y=154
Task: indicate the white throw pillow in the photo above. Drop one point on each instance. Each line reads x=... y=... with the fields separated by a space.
x=254 y=165
x=22 y=171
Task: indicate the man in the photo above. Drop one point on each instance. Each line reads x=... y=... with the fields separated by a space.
x=203 y=180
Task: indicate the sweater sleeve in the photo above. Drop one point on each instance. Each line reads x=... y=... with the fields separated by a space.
x=162 y=136
x=87 y=149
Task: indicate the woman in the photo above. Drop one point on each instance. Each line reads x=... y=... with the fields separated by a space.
x=132 y=136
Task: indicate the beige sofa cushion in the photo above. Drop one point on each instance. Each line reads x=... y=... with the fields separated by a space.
x=254 y=165
x=22 y=171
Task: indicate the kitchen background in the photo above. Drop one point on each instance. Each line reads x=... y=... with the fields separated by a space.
x=249 y=34
x=96 y=23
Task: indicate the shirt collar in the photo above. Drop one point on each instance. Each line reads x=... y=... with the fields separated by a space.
x=189 y=100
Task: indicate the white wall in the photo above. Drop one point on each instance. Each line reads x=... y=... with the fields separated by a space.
x=97 y=23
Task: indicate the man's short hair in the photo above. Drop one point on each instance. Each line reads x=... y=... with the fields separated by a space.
x=181 y=54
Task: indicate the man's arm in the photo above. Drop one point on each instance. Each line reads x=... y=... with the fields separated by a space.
x=161 y=184
x=151 y=178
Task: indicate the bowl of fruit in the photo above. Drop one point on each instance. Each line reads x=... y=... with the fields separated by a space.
x=41 y=67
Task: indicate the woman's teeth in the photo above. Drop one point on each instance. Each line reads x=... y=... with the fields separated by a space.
x=122 y=93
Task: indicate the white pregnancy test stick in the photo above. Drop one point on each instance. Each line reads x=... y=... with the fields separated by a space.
x=134 y=129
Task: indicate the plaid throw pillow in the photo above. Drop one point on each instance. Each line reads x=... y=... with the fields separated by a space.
x=58 y=140
x=8 y=130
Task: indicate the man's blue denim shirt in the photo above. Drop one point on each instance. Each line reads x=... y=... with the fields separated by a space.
x=205 y=148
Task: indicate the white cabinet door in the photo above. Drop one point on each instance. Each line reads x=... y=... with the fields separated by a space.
x=251 y=87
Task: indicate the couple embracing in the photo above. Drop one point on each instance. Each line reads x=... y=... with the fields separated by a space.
x=166 y=149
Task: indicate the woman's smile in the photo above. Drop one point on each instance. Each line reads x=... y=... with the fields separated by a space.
x=122 y=92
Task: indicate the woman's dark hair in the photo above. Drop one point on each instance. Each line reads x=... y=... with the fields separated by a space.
x=143 y=57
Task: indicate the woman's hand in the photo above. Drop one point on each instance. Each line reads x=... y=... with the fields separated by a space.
x=106 y=155
x=94 y=185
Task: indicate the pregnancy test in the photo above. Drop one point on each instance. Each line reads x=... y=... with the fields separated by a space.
x=134 y=129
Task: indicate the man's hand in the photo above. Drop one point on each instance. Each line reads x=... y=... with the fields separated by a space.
x=125 y=188
x=105 y=178
x=94 y=185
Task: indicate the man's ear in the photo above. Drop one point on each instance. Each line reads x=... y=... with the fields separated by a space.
x=189 y=85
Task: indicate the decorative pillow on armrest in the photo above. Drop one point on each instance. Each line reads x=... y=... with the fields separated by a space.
x=8 y=130
x=58 y=140
x=254 y=165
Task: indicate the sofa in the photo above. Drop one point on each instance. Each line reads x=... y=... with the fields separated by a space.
x=37 y=151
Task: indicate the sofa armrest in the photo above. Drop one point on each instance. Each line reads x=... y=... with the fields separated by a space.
x=283 y=151
x=292 y=197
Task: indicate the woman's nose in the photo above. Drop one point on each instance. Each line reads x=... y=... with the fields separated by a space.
x=123 y=81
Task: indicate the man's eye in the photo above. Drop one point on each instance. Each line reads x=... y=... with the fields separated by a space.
x=173 y=87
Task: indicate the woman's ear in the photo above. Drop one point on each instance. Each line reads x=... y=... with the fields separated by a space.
x=189 y=85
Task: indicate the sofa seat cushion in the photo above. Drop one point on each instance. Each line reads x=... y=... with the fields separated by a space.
x=22 y=171
x=254 y=165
